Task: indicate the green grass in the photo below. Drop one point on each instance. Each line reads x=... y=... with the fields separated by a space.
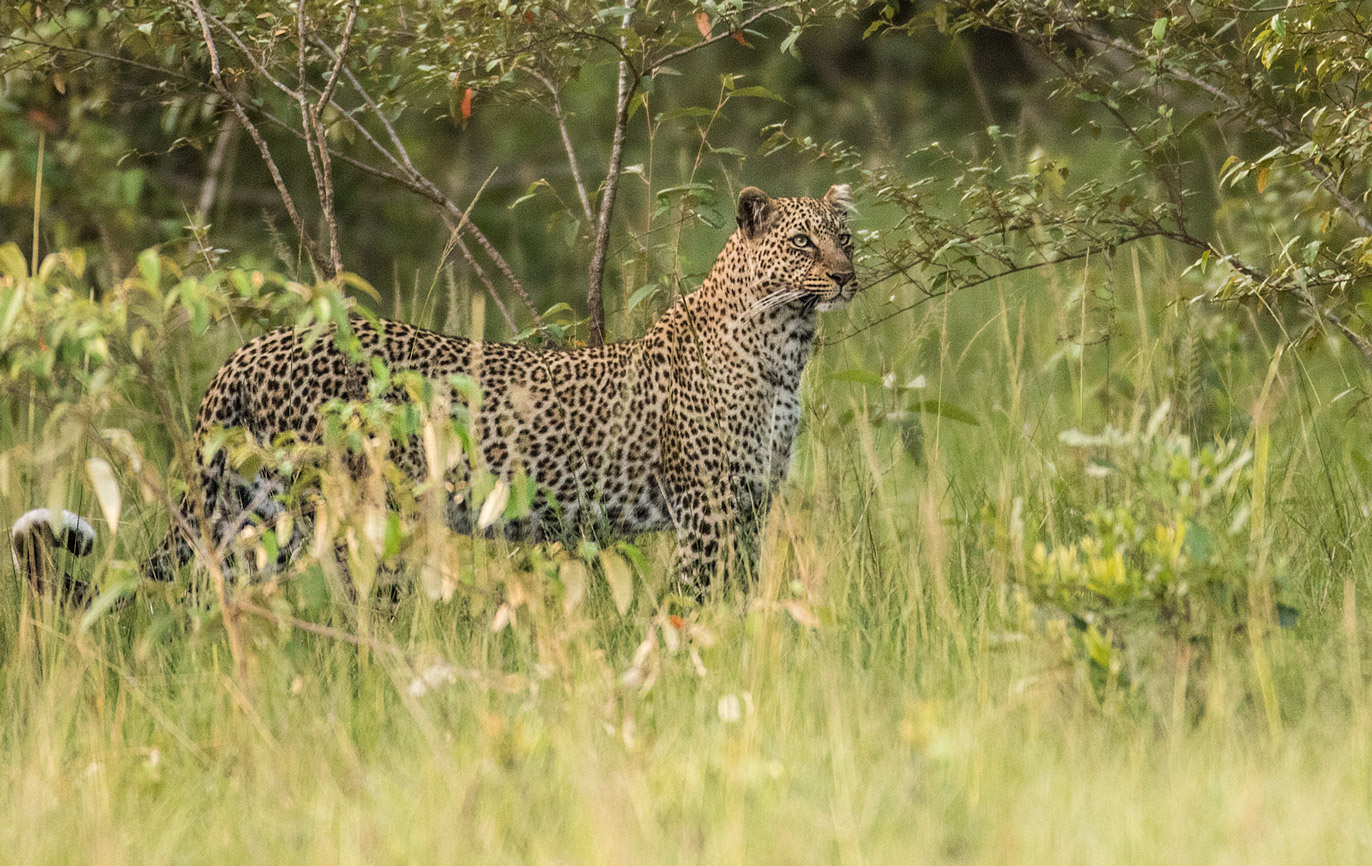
x=877 y=698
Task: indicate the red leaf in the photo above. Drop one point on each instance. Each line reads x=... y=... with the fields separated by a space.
x=529 y=17
x=41 y=119
x=738 y=36
x=467 y=104
x=677 y=622
x=703 y=24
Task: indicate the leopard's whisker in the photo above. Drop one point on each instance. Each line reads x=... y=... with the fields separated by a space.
x=772 y=301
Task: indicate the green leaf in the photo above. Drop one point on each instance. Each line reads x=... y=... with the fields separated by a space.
x=634 y=555
x=1199 y=543
x=712 y=217
x=12 y=263
x=1098 y=647
x=756 y=90
x=640 y=296
x=523 y=489
x=393 y=536
x=105 y=601
x=689 y=189
x=1160 y=28
x=947 y=410
x=15 y=302
x=150 y=266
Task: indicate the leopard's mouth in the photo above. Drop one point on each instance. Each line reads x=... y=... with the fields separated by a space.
x=835 y=301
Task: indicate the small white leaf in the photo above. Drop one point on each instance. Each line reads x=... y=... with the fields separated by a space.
x=730 y=709
x=504 y=615
x=620 y=578
x=494 y=506
x=106 y=491
x=801 y=614
x=573 y=576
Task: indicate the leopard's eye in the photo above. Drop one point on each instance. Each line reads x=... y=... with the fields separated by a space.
x=801 y=242
x=845 y=240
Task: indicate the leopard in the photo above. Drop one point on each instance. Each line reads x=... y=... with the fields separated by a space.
x=687 y=429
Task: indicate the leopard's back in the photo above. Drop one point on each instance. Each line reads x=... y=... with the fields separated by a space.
x=584 y=425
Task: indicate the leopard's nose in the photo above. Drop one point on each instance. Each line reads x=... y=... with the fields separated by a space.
x=843 y=278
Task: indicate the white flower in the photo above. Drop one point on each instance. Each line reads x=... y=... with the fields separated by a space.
x=437 y=674
x=730 y=709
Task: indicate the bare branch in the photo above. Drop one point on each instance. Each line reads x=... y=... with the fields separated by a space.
x=629 y=79
x=217 y=80
x=339 y=55
x=400 y=157
x=317 y=148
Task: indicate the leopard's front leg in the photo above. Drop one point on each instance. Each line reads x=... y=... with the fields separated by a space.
x=719 y=528
x=696 y=501
x=700 y=540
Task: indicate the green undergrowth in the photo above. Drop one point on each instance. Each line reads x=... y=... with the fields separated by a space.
x=1023 y=600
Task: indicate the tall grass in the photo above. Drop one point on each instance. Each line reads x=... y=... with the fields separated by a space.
x=876 y=697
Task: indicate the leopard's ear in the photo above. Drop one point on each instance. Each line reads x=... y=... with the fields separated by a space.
x=840 y=195
x=755 y=212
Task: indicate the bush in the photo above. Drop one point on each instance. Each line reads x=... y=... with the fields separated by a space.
x=1151 y=564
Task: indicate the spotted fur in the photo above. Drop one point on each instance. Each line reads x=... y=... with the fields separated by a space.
x=688 y=428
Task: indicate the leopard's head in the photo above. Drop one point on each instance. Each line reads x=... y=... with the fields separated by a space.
x=799 y=249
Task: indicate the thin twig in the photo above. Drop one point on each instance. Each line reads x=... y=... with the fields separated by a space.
x=455 y=218
x=37 y=199
x=316 y=126
x=628 y=83
x=321 y=630
x=1014 y=269
x=101 y=55
x=566 y=142
x=229 y=128
x=486 y=281
x=340 y=53
x=1301 y=293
